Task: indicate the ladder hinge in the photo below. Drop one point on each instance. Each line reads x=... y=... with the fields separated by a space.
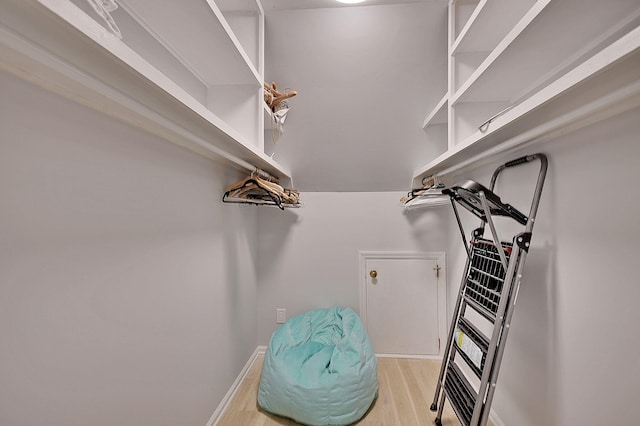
x=478 y=232
x=524 y=240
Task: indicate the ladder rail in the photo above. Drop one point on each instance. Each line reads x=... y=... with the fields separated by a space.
x=537 y=194
x=458 y=310
x=496 y=338
x=513 y=293
x=505 y=332
x=544 y=165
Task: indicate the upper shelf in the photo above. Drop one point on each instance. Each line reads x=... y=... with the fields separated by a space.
x=604 y=85
x=57 y=45
x=203 y=45
x=460 y=12
x=246 y=19
x=489 y=23
x=540 y=48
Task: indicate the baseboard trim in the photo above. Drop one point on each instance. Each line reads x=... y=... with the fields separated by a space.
x=224 y=404
x=435 y=357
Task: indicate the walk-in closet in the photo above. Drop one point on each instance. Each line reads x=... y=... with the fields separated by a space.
x=283 y=212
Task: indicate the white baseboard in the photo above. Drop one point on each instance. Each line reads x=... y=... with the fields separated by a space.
x=435 y=357
x=224 y=404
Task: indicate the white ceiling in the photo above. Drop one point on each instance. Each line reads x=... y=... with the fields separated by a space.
x=314 y=4
x=366 y=78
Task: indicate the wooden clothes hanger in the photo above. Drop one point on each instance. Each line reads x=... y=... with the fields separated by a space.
x=255 y=189
x=427 y=183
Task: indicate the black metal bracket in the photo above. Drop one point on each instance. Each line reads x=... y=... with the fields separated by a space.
x=524 y=241
x=478 y=232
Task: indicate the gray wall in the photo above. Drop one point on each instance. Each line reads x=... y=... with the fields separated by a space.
x=367 y=77
x=309 y=257
x=127 y=289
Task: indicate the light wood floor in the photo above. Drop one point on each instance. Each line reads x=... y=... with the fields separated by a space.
x=405 y=393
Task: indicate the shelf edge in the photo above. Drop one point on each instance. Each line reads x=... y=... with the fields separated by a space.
x=620 y=101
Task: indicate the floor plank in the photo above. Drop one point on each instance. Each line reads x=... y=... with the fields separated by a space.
x=405 y=393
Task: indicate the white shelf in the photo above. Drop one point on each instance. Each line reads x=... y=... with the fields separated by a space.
x=58 y=46
x=604 y=85
x=246 y=19
x=439 y=113
x=546 y=43
x=542 y=46
x=498 y=53
x=423 y=202
x=435 y=125
x=462 y=12
x=198 y=34
x=489 y=23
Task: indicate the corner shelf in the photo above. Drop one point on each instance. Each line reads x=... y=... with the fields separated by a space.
x=157 y=80
x=436 y=124
x=439 y=113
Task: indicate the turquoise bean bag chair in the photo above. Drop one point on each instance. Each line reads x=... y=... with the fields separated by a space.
x=320 y=369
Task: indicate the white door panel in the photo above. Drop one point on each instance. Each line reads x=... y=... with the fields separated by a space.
x=401 y=304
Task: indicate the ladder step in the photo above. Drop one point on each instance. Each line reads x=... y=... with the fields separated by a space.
x=461 y=395
x=472 y=345
x=485 y=278
x=479 y=308
x=486 y=266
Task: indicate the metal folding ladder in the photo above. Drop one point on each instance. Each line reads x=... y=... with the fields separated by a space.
x=490 y=287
